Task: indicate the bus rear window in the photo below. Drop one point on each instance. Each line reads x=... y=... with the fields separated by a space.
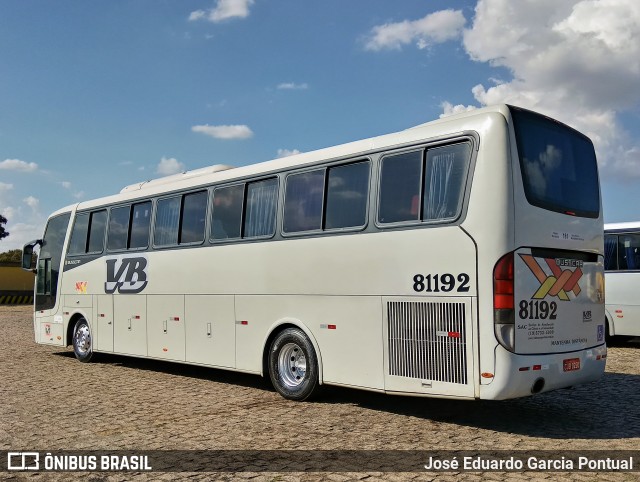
x=558 y=165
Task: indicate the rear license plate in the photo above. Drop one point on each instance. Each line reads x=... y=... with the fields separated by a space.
x=571 y=364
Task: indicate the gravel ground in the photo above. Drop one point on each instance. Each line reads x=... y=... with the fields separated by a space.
x=49 y=401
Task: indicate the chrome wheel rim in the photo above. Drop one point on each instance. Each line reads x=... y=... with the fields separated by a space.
x=83 y=340
x=292 y=365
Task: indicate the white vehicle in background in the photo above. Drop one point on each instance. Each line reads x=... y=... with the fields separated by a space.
x=622 y=274
x=461 y=258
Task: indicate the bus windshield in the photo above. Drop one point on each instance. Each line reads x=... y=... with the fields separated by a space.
x=558 y=165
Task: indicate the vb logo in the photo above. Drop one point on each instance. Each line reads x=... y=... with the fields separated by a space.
x=126 y=274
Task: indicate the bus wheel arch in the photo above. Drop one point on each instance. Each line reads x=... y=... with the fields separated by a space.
x=291 y=344
x=609 y=328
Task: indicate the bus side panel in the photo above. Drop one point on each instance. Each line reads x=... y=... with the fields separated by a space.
x=210 y=330
x=104 y=322
x=49 y=330
x=166 y=327
x=622 y=302
x=350 y=349
x=130 y=324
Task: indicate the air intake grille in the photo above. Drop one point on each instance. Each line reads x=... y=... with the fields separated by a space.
x=427 y=341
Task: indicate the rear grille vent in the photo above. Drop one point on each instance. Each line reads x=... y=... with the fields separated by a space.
x=427 y=341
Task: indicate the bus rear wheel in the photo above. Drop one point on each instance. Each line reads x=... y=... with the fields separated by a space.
x=293 y=365
x=82 y=343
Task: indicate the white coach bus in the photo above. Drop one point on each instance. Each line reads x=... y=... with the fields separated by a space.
x=461 y=258
x=622 y=268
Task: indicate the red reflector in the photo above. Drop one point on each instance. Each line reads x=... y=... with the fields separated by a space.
x=523 y=369
x=101 y=315
x=486 y=375
x=244 y=322
x=537 y=367
x=503 y=283
x=331 y=327
x=165 y=349
x=598 y=357
x=137 y=317
x=176 y=318
x=570 y=213
x=453 y=334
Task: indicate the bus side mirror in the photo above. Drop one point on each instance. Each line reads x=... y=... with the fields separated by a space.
x=27 y=254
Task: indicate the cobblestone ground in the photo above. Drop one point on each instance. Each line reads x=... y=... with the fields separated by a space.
x=50 y=401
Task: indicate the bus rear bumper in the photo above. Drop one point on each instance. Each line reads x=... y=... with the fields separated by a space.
x=523 y=375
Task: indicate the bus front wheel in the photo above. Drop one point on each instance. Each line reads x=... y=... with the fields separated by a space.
x=293 y=365
x=82 y=345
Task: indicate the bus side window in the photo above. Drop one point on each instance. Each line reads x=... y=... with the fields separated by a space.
x=347 y=194
x=226 y=215
x=445 y=176
x=194 y=210
x=610 y=254
x=629 y=252
x=88 y=233
x=260 y=212
x=140 y=220
x=303 y=201
x=118 y=228
x=97 y=227
x=78 y=243
x=167 y=221
x=399 y=186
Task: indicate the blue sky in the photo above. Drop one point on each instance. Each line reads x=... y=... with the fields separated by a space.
x=98 y=95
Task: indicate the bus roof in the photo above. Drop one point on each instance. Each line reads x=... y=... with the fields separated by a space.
x=628 y=226
x=446 y=126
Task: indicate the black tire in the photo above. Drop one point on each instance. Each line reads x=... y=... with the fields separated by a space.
x=82 y=342
x=293 y=365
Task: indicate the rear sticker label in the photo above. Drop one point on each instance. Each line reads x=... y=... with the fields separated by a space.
x=557 y=303
x=561 y=282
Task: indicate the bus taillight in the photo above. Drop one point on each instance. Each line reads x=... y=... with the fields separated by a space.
x=503 y=312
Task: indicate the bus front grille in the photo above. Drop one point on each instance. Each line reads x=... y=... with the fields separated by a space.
x=427 y=340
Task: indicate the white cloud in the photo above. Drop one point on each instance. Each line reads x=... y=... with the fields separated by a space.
x=224 y=10
x=168 y=166
x=21 y=233
x=18 y=165
x=4 y=187
x=577 y=61
x=8 y=212
x=224 y=132
x=32 y=202
x=287 y=152
x=78 y=195
x=22 y=227
x=449 y=109
x=432 y=29
x=66 y=184
x=292 y=86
